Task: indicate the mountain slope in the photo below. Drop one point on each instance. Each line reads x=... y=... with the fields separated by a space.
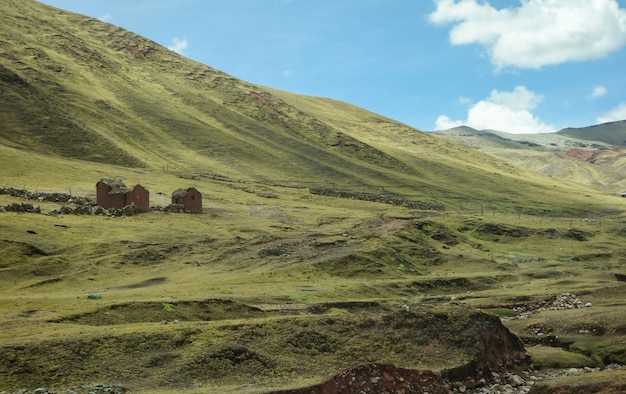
x=128 y=101
x=78 y=88
x=613 y=133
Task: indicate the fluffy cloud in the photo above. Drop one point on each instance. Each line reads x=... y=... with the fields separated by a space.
x=178 y=45
x=538 y=32
x=617 y=113
x=597 y=92
x=444 y=123
x=504 y=111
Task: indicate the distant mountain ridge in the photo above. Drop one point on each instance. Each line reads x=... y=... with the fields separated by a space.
x=594 y=155
x=600 y=135
x=613 y=133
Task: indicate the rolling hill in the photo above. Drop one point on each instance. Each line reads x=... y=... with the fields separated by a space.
x=314 y=265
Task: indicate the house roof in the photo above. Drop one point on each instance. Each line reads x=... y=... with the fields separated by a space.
x=116 y=186
x=182 y=192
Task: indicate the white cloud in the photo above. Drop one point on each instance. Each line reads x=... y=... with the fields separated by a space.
x=465 y=100
x=615 y=114
x=504 y=111
x=519 y=99
x=597 y=92
x=287 y=73
x=105 y=18
x=538 y=32
x=178 y=45
x=443 y=123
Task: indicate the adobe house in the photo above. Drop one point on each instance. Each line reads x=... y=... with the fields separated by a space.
x=190 y=197
x=140 y=196
x=113 y=193
x=110 y=193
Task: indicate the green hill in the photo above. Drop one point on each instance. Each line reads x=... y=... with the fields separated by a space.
x=78 y=88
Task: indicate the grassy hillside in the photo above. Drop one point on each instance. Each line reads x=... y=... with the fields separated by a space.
x=272 y=287
x=78 y=88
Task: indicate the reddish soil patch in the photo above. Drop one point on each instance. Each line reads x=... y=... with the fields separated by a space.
x=264 y=101
x=590 y=156
x=378 y=378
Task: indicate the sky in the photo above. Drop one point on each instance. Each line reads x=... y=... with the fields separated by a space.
x=521 y=66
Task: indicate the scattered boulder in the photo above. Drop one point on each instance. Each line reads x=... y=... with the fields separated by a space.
x=620 y=277
x=130 y=210
x=577 y=234
x=65 y=210
x=175 y=208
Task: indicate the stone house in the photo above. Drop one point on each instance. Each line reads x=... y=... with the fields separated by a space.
x=113 y=193
x=190 y=198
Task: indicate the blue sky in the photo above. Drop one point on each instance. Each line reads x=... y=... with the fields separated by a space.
x=522 y=66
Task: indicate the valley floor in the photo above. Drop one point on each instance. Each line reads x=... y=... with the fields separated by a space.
x=263 y=297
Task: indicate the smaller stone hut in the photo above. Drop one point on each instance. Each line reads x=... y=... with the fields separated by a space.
x=113 y=193
x=190 y=198
x=140 y=196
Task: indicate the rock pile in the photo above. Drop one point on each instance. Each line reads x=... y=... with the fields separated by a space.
x=176 y=208
x=558 y=302
x=511 y=383
x=499 y=383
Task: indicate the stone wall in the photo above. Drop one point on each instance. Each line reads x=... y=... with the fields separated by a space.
x=378 y=197
x=42 y=196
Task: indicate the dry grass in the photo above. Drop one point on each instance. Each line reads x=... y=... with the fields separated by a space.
x=282 y=255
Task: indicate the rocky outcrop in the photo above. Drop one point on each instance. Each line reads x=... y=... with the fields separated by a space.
x=494 y=349
x=370 y=348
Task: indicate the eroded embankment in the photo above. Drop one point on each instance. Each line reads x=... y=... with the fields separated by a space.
x=274 y=350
